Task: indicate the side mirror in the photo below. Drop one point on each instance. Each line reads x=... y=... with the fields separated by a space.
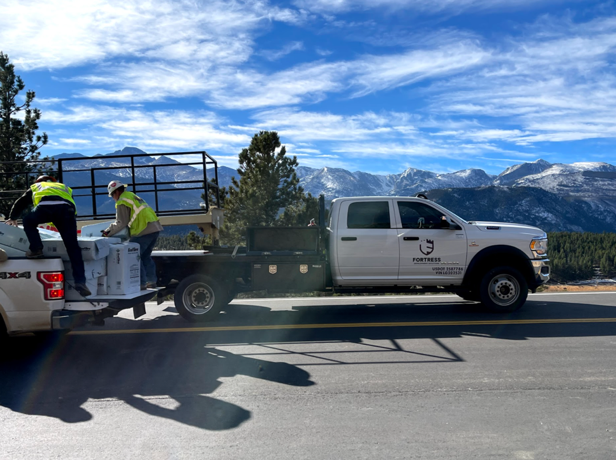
x=448 y=224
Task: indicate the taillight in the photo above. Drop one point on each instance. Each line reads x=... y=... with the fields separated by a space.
x=53 y=284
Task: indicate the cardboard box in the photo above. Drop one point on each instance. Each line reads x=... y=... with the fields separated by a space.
x=15 y=237
x=94 y=230
x=93 y=268
x=91 y=248
x=71 y=294
x=124 y=269
x=102 y=286
x=12 y=252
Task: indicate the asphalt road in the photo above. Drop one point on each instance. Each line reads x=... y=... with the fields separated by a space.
x=373 y=377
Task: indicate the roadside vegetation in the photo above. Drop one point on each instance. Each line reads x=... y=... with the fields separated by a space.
x=582 y=256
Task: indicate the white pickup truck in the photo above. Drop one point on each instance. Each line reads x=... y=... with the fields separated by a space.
x=369 y=245
x=32 y=299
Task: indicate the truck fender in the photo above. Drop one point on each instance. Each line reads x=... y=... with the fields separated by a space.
x=499 y=255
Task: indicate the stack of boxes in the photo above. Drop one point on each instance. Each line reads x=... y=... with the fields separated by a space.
x=111 y=267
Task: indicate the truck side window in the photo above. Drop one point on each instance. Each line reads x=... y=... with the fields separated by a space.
x=368 y=214
x=419 y=215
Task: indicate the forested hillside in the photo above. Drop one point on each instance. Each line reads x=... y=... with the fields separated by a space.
x=573 y=256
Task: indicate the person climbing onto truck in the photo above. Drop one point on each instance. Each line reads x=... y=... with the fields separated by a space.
x=53 y=202
x=143 y=226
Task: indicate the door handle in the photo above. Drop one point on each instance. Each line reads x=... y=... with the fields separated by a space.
x=411 y=238
x=349 y=238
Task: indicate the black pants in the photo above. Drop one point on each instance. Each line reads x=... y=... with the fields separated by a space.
x=63 y=217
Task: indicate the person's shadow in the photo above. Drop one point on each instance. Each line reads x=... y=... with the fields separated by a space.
x=56 y=379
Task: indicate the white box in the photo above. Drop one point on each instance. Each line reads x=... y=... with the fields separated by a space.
x=71 y=294
x=14 y=237
x=93 y=269
x=94 y=230
x=91 y=248
x=102 y=286
x=124 y=269
x=12 y=252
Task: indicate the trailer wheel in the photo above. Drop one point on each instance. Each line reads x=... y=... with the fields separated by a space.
x=199 y=298
x=503 y=289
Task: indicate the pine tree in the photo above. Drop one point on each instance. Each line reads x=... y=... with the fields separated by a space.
x=268 y=183
x=18 y=139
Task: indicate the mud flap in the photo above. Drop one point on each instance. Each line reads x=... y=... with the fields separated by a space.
x=139 y=310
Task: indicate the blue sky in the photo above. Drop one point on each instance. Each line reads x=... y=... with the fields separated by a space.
x=371 y=85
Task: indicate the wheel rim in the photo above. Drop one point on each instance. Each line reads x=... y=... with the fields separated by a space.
x=504 y=289
x=198 y=298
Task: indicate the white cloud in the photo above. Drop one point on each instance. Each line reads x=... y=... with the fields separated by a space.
x=274 y=55
x=426 y=6
x=158 y=130
x=59 y=33
x=375 y=73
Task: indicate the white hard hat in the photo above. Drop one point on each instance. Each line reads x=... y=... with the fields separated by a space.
x=113 y=186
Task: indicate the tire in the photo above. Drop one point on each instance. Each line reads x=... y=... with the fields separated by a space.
x=199 y=298
x=503 y=289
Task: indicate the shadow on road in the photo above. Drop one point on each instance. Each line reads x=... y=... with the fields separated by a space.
x=56 y=379
x=538 y=318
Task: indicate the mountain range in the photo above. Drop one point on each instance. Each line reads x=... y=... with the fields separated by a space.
x=553 y=196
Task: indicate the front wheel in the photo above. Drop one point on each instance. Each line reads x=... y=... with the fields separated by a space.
x=503 y=289
x=199 y=298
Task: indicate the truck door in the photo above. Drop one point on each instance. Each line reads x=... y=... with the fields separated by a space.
x=367 y=244
x=430 y=248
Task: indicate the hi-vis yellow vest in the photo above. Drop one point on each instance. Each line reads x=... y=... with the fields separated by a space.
x=140 y=213
x=41 y=189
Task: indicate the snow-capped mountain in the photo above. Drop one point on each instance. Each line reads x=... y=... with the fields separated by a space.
x=574 y=197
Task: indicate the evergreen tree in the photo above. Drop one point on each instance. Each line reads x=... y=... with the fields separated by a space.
x=267 y=184
x=300 y=213
x=19 y=142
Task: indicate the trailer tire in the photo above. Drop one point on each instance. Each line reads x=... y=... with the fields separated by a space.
x=199 y=298
x=503 y=289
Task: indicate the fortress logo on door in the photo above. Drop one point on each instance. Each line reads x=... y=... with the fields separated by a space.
x=426 y=247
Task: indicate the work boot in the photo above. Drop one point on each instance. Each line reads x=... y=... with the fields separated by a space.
x=34 y=254
x=82 y=289
x=150 y=285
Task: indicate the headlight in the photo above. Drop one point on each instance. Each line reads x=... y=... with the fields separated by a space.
x=539 y=247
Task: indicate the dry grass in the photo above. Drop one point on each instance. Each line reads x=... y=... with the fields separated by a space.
x=571 y=288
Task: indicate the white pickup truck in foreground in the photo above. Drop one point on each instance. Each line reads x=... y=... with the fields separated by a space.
x=36 y=295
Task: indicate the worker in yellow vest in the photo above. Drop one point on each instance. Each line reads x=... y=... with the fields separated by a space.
x=53 y=202
x=143 y=226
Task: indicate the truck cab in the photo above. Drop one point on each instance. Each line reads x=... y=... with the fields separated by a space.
x=411 y=241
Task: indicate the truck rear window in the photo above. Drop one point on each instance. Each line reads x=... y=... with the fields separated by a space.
x=369 y=214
